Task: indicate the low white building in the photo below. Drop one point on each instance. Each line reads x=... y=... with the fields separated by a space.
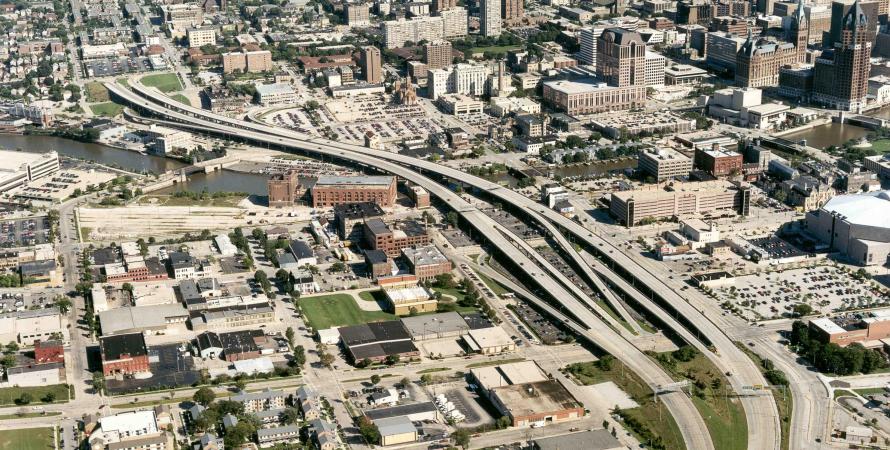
x=225 y=246
x=276 y=94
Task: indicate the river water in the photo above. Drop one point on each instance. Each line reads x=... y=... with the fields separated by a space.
x=225 y=180
x=827 y=135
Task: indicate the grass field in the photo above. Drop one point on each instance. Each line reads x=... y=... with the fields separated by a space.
x=108 y=109
x=29 y=415
x=123 y=82
x=165 y=82
x=493 y=285
x=723 y=414
x=495 y=362
x=28 y=439
x=650 y=418
x=865 y=392
x=96 y=92
x=169 y=200
x=338 y=310
x=8 y=396
x=181 y=99
x=494 y=49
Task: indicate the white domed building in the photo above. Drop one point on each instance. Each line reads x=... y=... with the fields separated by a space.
x=856 y=225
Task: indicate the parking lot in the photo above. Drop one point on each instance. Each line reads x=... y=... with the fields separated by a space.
x=510 y=221
x=169 y=368
x=24 y=232
x=457 y=238
x=774 y=294
x=467 y=403
x=539 y=325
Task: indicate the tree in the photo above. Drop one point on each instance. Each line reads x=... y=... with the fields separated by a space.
x=291 y=336
x=369 y=430
x=326 y=359
x=504 y=422
x=128 y=287
x=290 y=416
x=461 y=437
x=299 y=356
x=426 y=378
x=338 y=267
x=8 y=361
x=445 y=281
x=49 y=397
x=451 y=218
x=375 y=379
x=63 y=303
x=392 y=359
x=404 y=382
x=240 y=384
x=25 y=398
x=204 y=396
x=802 y=309
x=98 y=382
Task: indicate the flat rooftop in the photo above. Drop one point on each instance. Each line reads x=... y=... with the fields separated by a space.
x=827 y=325
x=447 y=322
x=330 y=180
x=535 y=398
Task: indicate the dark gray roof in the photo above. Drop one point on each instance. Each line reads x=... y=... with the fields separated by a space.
x=300 y=249
x=37 y=267
x=588 y=440
x=376 y=256
x=181 y=259
x=400 y=410
x=354 y=211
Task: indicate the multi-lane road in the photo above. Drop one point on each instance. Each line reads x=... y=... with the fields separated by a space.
x=593 y=327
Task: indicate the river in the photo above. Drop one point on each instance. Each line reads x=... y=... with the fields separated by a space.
x=827 y=135
x=225 y=180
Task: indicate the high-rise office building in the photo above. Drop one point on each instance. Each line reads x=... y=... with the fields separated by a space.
x=442 y=5
x=371 y=64
x=512 y=10
x=358 y=15
x=490 y=17
x=839 y=12
x=841 y=77
x=759 y=60
x=621 y=58
x=588 y=39
x=437 y=55
x=397 y=33
x=454 y=22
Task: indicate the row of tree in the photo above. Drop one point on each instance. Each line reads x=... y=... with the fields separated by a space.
x=830 y=357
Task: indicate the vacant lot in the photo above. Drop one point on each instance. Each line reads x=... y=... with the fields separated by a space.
x=651 y=420
x=96 y=92
x=108 y=109
x=337 y=310
x=8 y=396
x=169 y=200
x=165 y=82
x=27 y=439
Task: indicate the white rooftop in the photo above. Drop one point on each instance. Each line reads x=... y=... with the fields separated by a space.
x=871 y=210
x=130 y=423
x=14 y=160
x=827 y=325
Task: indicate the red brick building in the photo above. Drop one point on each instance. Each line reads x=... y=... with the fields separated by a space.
x=426 y=262
x=49 y=352
x=718 y=162
x=379 y=236
x=336 y=190
x=124 y=354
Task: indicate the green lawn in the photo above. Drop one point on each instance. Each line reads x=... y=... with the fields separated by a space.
x=722 y=413
x=649 y=420
x=123 y=82
x=108 y=109
x=493 y=285
x=181 y=99
x=865 y=392
x=8 y=396
x=96 y=92
x=494 y=49
x=29 y=415
x=28 y=439
x=165 y=82
x=338 y=310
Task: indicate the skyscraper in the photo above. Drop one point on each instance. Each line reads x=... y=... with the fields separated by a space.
x=490 y=17
x=442 y=5
x=437 y=54
x=371 y=64
x=511 y=10
x=800 y=32
x=621 y=58
x=841 y=75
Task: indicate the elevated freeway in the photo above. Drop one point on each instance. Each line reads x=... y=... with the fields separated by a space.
x=762 y=414
x=589 y=326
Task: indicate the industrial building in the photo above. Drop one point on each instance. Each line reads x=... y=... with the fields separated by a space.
x=436 y=326
x=329 y=191
x=410 y=300
x=525 y=394
x=123 y=354
x=377 y=340
x=426 y=262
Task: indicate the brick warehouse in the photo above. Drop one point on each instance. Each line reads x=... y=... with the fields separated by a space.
x=330 y=191
x=124 y=354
